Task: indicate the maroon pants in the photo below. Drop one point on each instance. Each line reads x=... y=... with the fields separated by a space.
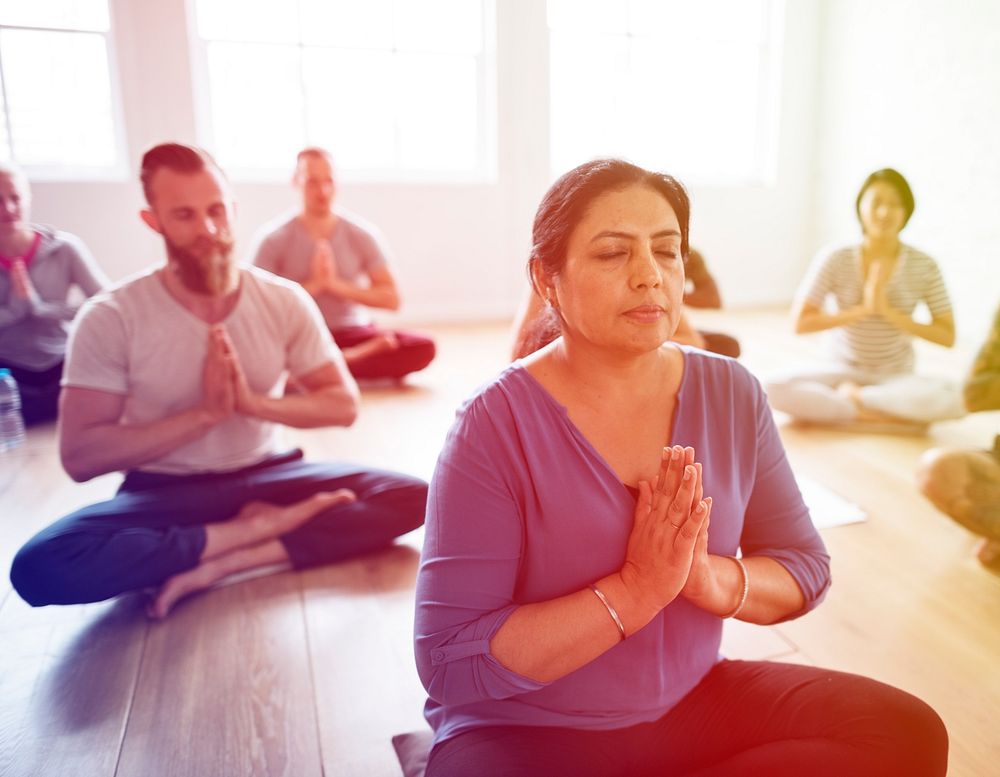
x=414 y=352
x=745 y=719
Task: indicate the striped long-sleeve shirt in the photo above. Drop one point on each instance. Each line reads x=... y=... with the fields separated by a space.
x=873 y=344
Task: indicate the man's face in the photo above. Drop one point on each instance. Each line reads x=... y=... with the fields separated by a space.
x=193 y=211
x=314 y=180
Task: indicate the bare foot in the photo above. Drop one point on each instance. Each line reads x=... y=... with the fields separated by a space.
x=258 y=522
x=184 y=584
x=265 y=521
x=988 y=553
x=378 y=344
x=852 y=391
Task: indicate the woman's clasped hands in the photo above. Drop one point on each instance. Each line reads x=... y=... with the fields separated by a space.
x=667 y=553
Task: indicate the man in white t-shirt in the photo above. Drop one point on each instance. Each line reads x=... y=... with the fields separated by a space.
x=342 y=262
x=177 y=377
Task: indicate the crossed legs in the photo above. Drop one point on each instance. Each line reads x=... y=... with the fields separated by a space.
x=178 y=535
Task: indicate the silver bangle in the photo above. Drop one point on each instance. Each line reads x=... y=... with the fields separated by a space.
x=611 y=610
x=746 y=588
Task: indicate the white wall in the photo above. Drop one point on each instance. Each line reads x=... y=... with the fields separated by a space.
x=915 y=85
x=460 y=249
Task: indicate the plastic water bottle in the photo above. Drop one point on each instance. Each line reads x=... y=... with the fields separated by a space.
x=11 y=421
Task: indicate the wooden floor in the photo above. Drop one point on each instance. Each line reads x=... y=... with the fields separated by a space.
x=311 y=673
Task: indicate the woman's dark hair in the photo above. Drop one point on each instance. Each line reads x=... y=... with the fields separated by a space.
x=896 y=180
x=565 y=203
x=563 y=207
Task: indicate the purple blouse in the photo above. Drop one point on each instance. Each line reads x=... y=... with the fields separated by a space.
x=523 y=509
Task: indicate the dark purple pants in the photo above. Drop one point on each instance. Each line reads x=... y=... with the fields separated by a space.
x=746 y=718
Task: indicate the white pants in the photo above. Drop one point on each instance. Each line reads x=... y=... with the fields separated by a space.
x=813 y=396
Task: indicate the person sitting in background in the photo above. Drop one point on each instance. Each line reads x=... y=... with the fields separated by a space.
x=583 y=526
x=176 y=377
x=965 y=484
x=39 y=267
x=342 y=263
x=876 y=286
x=701 y=291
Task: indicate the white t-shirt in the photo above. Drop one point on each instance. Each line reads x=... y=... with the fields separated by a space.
x=137 y=340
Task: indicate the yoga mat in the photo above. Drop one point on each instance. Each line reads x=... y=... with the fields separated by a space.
x=827 y=508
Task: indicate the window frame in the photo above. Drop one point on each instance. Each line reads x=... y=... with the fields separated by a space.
x=485 y=172
x=118 y=169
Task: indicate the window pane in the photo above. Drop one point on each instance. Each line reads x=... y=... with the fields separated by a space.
x=349 y=106
x=704 y=125
x=5 y=153
x=438 y=112
x=386 y=85
x=248 y=20
x=588 y=117
x=731 y=20
x=59 y=98
x=347 y=23
x=256 y=114
x=59 y=14
x=588 y=15
x=683 y=92
x=439 y=26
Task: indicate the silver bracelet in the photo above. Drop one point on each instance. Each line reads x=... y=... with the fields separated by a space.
x=611 y=610
x=746 y=588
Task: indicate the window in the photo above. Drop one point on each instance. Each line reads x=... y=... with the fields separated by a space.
x=395 y=89
x=56 y=88
x=685 y=87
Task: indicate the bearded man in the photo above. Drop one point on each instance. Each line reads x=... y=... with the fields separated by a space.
x=176 y=377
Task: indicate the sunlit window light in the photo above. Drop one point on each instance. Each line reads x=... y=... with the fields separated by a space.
x=56 y=96
x=394 y=88
x=690 y=88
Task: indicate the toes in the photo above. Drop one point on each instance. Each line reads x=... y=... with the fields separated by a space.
x=340 y=496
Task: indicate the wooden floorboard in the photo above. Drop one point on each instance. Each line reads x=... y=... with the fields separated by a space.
x=367 y=687
x=312 y=672
x=226 y=688
x=67 y=677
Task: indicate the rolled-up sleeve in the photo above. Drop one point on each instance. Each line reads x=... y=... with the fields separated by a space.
x=470 y=560
x=777 y=522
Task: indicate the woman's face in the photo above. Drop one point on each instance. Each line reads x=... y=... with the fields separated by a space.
x=881 y=210
x=623 y=281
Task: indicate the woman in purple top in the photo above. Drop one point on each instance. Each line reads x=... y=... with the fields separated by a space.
x=583 y=526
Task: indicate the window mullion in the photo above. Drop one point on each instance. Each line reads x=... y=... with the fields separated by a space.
x=6 y=109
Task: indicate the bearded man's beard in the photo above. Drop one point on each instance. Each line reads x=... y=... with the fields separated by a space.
x=205 y=266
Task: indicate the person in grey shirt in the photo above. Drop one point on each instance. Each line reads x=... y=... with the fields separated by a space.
x=39 y=266
x=342 y=261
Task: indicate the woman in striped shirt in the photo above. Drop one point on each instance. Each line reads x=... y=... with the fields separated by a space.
x=876 y=287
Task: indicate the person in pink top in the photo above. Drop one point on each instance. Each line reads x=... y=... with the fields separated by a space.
x=596 y=513
x=39 y=268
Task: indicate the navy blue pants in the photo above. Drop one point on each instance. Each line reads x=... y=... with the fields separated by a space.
x=154 y=527
x=745 y=719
